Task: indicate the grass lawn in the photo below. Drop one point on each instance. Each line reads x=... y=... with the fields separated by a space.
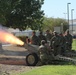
x=74 y=44
x=54 y=69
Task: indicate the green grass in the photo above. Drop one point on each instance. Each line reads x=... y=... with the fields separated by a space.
x=74 y=44
x=53 y=69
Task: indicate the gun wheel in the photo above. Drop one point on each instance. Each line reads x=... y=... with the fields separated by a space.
x=32 y=59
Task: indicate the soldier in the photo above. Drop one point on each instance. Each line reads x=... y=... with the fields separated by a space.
x=44 y=55
x=42 y=37
x=27 y=40
x=62 y=43
x=34 y=39
x=48 y=35
x=69 y=40
x=55 y=43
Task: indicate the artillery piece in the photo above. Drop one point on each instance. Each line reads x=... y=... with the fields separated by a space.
x=32 y=56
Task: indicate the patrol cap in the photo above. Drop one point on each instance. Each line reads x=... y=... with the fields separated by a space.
x=43 y=42
x=47 y=30
x=55 y=32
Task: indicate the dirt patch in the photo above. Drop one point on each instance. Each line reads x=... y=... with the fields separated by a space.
x=12 y=69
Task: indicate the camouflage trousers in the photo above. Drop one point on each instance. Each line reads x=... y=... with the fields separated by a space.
x=68 y=46
x=57 y=50
x=46 y=58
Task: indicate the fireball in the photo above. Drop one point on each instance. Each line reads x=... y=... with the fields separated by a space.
x=10 y=38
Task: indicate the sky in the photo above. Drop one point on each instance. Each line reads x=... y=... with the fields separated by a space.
x=58 y=8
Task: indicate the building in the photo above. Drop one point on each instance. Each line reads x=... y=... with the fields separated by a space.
x=72 y=28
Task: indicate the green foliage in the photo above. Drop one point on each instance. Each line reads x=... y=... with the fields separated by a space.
x=21 y=13
x=50 y=23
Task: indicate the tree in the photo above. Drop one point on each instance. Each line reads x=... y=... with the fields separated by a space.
x=23 y=13
x=4 y=9
x=50 y=23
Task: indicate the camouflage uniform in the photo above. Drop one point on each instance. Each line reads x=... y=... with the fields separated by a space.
x=69 y=40
x=48 y=35
x=34 y=39
x=41 y=37
x=55 y=44
x=62 y=43
x=44 y=55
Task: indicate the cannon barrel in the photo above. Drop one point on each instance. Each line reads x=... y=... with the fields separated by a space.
x=31 y=47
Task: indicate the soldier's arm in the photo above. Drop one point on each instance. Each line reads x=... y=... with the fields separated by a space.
x=51 y=41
